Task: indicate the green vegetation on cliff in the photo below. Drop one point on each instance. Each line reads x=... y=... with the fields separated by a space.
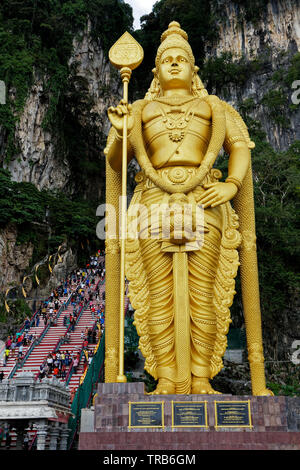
x=36 y=40
x=44 y=218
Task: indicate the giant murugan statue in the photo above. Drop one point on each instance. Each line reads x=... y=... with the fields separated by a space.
x=180 y=285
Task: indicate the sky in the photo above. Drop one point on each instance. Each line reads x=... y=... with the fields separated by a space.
x=140 y=8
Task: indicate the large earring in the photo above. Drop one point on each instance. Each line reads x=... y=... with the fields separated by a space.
x=154 y=91
x=197 y=85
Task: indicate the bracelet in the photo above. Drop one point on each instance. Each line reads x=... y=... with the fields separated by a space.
x=234 y=180
x=120 y=137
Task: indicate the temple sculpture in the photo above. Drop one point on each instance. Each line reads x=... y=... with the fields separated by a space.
x=182 y=280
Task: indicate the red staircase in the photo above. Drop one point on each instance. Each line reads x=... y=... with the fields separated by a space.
x=51 y=339
x=50 y=342
x=41 y=351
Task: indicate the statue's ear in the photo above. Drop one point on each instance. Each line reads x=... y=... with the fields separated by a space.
x=154 y=71
x=196 y=69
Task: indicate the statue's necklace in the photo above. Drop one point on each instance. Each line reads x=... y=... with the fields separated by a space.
x=175 y=100
x=177 y=119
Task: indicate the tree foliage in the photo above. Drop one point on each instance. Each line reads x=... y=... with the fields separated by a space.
x=37 y=36
x=196 y=18
x=34 y=212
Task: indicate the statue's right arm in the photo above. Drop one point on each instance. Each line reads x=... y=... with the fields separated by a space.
x=113 y=149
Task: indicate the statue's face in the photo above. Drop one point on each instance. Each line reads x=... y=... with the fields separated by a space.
x=175 y=70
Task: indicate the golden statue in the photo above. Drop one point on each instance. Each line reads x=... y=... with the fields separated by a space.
x=182 y=286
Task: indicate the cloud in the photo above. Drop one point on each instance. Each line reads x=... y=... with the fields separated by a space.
x=140 y=8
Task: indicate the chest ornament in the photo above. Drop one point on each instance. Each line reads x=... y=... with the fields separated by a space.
x=175 y=121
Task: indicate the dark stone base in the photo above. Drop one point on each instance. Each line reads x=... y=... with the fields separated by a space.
x=275 y=423
x=186 y=441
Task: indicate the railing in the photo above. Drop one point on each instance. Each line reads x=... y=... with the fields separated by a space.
x=37 y=341
x=32 y=441
x=60 y=341
x=85 y=390
x=22 y=328
x=69 y=373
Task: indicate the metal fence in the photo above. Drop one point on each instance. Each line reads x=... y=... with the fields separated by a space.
x=86 y=389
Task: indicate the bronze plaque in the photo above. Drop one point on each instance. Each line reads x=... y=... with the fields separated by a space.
x=189 y=414
x=233 y=414
x=146 y=415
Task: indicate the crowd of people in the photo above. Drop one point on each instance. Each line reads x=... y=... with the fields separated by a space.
x=14 y=345
x=62 y=362
x=80 y=285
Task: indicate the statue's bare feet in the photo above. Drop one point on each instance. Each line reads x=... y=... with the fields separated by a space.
x=264 y=392
x=164 y=387
x=201 y=386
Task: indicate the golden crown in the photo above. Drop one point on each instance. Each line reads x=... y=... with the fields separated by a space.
x=174 y=36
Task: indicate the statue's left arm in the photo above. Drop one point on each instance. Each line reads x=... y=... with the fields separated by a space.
x=239 y=159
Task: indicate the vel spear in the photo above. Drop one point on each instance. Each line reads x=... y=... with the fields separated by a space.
x=126 y=54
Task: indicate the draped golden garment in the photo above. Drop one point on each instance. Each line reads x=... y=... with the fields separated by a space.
x=176 y=319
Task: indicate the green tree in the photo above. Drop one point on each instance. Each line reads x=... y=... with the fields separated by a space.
x=195 y=18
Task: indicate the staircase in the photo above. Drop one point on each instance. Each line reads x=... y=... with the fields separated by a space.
x=50 y=341
x=41 y=351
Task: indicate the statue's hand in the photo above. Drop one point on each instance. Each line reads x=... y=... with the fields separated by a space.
x=116 y=116
x=217 y=193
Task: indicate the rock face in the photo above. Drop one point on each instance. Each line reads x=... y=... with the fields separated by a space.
x=42 y=160
x=14 y=258
x=271 y=40
x=37 y=162
x=279 y=27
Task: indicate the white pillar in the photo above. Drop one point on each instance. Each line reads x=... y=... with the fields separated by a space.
x=42 y=429
x=54 y=434
x=64 y=435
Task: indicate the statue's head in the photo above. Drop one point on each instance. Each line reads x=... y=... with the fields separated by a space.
x=175 y=50
x=174 y=37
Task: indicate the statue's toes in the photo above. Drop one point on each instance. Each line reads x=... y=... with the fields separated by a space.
x=265 y=393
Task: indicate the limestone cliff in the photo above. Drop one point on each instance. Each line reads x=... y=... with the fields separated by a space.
x=45 y=159
x=37 y=161
x=14 y=258
x=273 y=39
x=42 y=159
x=267 y=45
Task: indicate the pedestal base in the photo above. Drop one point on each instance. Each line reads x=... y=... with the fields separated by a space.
x=275 y=423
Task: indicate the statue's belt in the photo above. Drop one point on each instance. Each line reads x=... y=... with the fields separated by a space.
x=177 y=176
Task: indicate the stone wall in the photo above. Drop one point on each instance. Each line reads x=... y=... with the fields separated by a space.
x=275 y=423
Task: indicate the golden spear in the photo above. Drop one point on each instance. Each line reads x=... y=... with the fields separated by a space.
x=126 y=54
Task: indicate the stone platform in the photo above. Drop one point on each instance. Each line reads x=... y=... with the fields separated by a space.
x=275 y=423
